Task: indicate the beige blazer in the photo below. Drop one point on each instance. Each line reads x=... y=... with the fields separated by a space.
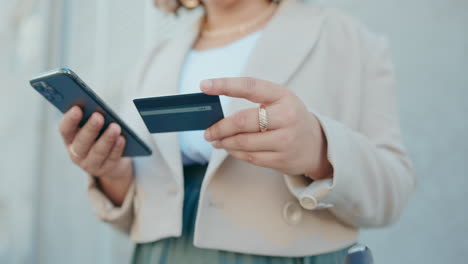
x=344 y=75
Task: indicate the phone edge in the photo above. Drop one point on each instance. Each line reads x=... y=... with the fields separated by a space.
x=98 y=100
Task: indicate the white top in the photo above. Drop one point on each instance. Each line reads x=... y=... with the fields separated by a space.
x=226 y=61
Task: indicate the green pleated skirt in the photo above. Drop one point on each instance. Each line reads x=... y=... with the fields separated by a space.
x=181 y=249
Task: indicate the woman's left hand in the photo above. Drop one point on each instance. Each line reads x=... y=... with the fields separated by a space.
x=294 y=143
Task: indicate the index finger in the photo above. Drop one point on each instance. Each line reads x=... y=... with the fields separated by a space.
x=255 y=90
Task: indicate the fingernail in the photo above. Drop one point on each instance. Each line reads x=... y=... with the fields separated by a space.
x=115 y=129
x=216 y=144
x=120 y=141
x=206 y=85
x=207 y=135
x=96 y=119
x=75 y=112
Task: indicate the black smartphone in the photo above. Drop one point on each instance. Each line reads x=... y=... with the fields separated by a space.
x=64 y=89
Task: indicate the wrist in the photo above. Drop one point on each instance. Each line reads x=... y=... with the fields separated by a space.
x=121 y=172
x=324 y=172
x=116 y=183
x=321 y=168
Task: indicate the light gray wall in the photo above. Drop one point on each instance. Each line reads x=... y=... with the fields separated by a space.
x=44 y=213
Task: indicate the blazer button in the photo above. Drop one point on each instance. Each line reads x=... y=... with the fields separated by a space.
x=292 y=213
x=309 y=202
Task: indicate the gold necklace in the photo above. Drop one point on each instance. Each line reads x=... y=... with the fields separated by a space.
x=240 y=29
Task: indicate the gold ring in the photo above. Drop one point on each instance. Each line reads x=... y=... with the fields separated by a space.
x=262 y=119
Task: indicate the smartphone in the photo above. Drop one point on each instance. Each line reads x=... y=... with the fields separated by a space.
x=64 y=89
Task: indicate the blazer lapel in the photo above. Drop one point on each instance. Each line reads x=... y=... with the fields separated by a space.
x=285 y=43
x=167 y=84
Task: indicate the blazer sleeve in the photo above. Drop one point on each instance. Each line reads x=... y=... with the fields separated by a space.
x=121 y=218
x=373 y=176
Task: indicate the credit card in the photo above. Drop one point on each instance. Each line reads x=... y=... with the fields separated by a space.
x=177 y=113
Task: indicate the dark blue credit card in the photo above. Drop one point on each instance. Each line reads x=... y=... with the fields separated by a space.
x=179 y=112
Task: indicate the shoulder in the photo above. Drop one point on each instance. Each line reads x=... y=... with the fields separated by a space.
x=171 y=37
x=351 y=28
x=334 y=21
x=341 y=25
x=150 y=55
x=334 y=18
x=173 y=32
x=345 y=33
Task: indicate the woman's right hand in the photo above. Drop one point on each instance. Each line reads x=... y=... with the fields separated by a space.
x=101 y=158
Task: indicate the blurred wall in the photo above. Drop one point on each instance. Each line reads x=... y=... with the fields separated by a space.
x=44 y=213
x=21 y=54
